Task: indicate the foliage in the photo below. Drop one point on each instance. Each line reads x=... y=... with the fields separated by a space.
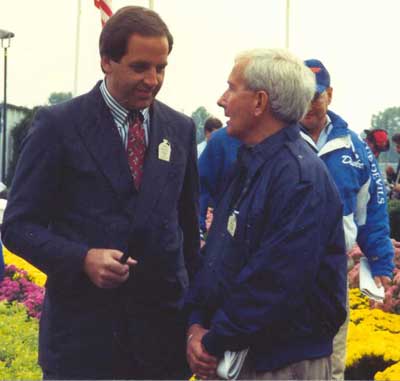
x=35 y=275
x=18 y=344
x=18 y=287
x=18 y=135
x=55 y=97
x=199 y=117
x=394 y=218
x=389 y=120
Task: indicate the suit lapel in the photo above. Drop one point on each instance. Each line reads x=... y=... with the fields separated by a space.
x=101 y=137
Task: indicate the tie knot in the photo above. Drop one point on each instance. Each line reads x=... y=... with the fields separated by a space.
x=133 y=114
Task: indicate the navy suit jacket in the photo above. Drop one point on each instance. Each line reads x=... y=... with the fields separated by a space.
x=73 y=191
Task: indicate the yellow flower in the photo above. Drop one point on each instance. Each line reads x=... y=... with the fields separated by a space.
x=390 y=373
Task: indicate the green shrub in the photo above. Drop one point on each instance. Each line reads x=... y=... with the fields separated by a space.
x=394 y=218
x=18 y=344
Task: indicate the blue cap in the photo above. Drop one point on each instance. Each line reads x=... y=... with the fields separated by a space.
x=322 y=76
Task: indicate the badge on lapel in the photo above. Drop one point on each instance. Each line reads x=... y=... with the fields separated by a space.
x=232 y=223
x=164 y=150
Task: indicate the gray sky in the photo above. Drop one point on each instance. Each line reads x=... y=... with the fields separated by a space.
x=357 y=40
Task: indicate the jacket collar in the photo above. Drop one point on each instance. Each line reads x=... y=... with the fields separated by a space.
x=254 y=157
x=338 y=138
x=340 y=127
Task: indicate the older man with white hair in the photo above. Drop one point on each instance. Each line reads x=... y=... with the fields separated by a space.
x=274 y=273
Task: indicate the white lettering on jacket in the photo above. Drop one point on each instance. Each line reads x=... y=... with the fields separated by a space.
x=346 y=159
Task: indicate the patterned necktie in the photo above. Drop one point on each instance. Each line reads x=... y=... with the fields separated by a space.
x=136 y=147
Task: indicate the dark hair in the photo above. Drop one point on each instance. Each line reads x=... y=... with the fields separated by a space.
x=212 y=124
x=127 y=21
x=396 y=138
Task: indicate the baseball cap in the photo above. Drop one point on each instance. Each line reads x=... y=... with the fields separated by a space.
x=322 y=76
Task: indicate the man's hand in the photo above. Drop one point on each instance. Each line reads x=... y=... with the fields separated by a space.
x=382 y=281
x=104 y=269
x=201 y=363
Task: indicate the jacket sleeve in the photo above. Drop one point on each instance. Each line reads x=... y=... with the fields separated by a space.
x=188 y=208
x=373 y=222
x=301 y=252
x=32 y=204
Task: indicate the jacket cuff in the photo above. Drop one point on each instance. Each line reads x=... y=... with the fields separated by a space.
x=382 y=266
x=214 y=344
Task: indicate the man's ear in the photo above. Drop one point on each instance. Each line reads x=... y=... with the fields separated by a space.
x=329 y=92
x=105 y=64
x=261 y=102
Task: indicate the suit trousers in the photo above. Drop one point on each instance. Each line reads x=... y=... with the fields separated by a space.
x=151 y=346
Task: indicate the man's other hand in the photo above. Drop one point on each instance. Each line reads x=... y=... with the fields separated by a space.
x=104 y=269
x=201 y=363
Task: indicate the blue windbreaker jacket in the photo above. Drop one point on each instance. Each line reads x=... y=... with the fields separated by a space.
x=275 y=282
x=362 y=189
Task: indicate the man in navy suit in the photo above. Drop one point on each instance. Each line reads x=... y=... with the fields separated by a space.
x=76 y=212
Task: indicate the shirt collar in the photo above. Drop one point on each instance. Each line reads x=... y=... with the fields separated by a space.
x=323 y=136
x=119 y=112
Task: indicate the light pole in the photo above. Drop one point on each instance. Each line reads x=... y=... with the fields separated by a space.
x=5 y=37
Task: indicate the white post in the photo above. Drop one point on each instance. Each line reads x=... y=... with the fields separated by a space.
x=77 y=41
x=151 y=4
x=287 y=24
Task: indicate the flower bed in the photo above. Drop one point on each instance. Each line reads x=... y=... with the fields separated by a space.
x=17 y=286
x=373 y=341
x=18 y=344
x=21 y=299
x=373 y=350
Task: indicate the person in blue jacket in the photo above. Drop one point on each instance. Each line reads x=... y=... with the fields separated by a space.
x=215 y=167
x=211 y=125
x=273 y=277
x=361 y=187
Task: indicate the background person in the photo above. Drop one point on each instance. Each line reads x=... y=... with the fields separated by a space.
x=110 y=173
x=211 y=124
x=392 y=176
x=215 y=168
x=361 y=187
x=274 y=273
x=377 y=140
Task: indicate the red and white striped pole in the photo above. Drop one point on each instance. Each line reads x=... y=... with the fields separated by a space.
x=105 y=9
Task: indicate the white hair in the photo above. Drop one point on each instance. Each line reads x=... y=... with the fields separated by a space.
x=290 y=85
